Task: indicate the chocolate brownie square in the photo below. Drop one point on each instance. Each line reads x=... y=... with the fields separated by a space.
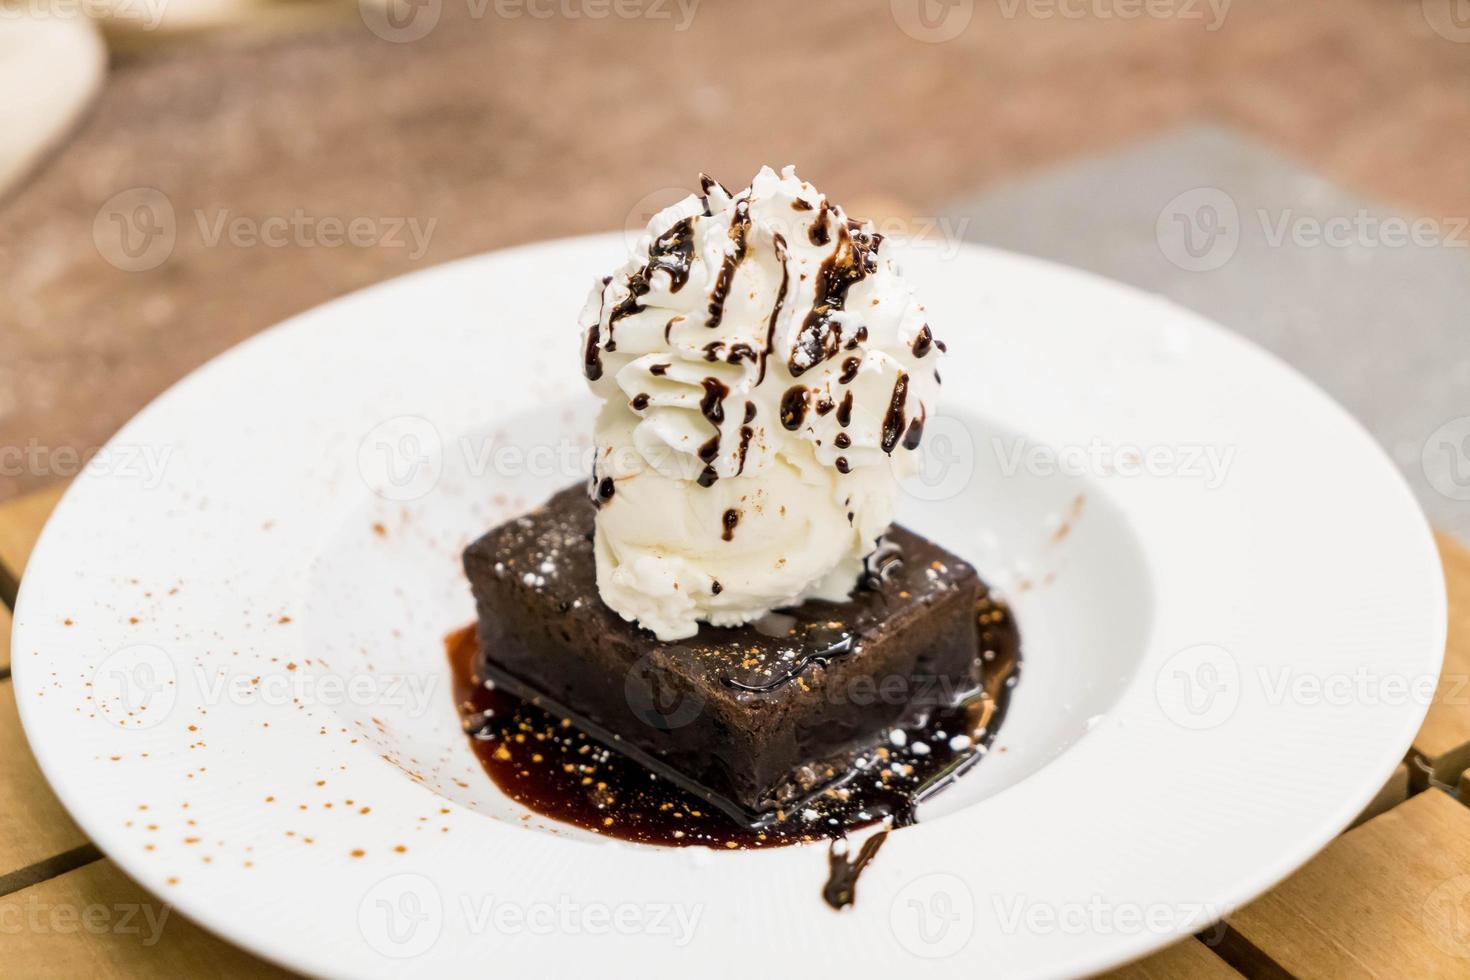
x=754 y=718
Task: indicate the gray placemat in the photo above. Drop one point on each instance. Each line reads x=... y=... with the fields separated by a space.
x=1371 y=303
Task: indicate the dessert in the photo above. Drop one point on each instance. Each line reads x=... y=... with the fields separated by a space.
x=753 y=718
x=722 y=638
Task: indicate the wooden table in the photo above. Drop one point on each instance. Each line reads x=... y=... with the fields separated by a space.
x=508 y=131
x=1382 y=900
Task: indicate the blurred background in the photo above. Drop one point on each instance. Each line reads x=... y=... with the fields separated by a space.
x=179 y=174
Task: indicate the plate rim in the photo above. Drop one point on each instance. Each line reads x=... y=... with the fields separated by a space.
x=65 y=784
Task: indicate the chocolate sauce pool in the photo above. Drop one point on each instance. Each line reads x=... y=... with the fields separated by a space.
x=551 y=767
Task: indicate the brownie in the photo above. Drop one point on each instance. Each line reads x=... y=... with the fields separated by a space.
x=752 y=718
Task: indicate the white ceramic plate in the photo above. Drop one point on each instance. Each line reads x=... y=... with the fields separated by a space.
x=228 y=647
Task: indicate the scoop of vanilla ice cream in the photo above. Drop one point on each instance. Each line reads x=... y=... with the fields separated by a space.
x=766 y=374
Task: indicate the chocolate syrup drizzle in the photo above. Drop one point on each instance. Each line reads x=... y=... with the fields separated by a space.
x=829 y=646
x=893 y=420
x=915 y=433
x=779 y=242
x=671 y=252
x=842 y=874
x=592 y=353
x=793 y=407
x=923 y=341
x=739 y=231
x=818 y=338
x=551 y=767
x=854 y=260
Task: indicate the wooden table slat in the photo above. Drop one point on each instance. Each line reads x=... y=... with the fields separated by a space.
x=1394 y=792
x=21 y=521
x=1384 y=900
x=94 y=921
x=35 y=827
x=1444 y=738
x=1190 y=958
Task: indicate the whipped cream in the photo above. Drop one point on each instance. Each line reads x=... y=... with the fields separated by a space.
x=766 y=374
